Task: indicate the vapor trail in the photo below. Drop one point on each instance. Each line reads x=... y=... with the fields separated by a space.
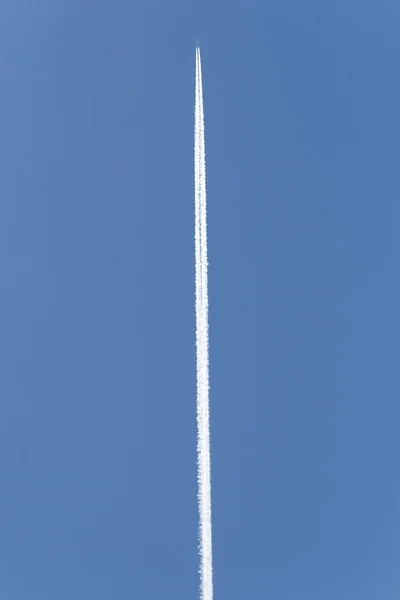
x=203 y=426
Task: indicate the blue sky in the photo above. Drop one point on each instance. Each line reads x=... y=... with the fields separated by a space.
x=97 y=393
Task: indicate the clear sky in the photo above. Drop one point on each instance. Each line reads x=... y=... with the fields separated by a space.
x=97 y=387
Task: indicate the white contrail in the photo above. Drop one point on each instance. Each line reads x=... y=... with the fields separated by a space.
x=203 y=426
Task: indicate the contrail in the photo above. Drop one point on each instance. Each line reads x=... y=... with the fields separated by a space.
x=203 y=425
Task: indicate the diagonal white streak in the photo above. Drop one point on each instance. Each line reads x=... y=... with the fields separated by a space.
x=203 y=425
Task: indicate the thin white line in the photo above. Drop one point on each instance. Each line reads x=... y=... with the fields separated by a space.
x=203 y=428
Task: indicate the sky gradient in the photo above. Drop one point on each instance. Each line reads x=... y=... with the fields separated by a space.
x=98 y=387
